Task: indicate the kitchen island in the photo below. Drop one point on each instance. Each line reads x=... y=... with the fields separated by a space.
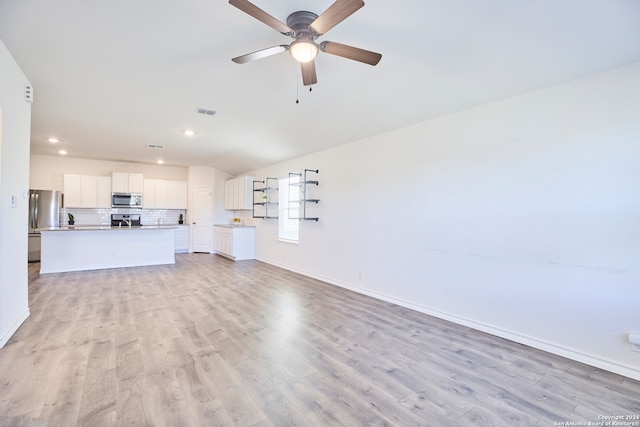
x=97 y=247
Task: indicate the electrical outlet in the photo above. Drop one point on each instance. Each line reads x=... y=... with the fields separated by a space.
x=12 y=202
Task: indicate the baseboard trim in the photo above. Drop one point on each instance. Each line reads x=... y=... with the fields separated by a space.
x=553 y=348
x=9 y=333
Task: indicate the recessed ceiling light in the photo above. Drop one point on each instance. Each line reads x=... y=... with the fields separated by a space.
x=189 y=132
x=53 y=140
x=63 y=152
x=160 y=162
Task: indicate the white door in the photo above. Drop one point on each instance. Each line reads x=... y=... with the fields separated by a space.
x=202 y=220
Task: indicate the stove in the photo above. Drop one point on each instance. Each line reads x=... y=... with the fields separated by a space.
x=123 y=220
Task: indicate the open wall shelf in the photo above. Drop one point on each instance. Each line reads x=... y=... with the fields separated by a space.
x=265 y=198
x=299 y=194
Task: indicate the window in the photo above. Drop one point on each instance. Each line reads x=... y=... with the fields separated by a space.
x=287 y=227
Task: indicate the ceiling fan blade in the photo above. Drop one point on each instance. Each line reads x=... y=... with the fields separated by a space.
x=260 y=54
x=309 y=73
x=350 y=52
x=335 y=14
x=253 y=10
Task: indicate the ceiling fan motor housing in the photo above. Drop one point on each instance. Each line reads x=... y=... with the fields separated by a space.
x=299 y=22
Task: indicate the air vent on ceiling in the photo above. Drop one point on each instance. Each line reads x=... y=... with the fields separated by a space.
x=207 y=111
x=156 y=146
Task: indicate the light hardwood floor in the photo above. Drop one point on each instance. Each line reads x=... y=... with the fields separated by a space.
x=210 y=342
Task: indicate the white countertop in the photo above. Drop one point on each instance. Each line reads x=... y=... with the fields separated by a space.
x=234 y=226
x=106 y=227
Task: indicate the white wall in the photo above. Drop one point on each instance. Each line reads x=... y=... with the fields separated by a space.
x=47 y=171
x=15 y=125
x=520 y=218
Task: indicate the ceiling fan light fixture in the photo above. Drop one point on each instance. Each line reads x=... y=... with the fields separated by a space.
x=303 y=50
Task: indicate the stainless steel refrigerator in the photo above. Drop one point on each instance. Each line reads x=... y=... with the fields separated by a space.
x=44 y=212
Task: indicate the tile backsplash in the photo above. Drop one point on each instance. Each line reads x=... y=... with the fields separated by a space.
x=103 y=216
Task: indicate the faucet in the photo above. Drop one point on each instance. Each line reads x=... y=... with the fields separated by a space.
x=127 y=221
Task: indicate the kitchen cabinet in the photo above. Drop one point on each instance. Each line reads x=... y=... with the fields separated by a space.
x=149 y=194
x=235 y=242
x=104 y=192
x=176 y=194
x=238 y=193
x=161 y=194
x=86 y=191
x=124 y=182
x=89 y=191
x=72 y=190
x=182 y=239
x=164 y=194
x=230 y=188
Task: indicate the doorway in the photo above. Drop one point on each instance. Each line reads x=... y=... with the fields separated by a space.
x=202 y=220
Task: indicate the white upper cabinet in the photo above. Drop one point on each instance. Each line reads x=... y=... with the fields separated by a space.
x=120 y=182
x=89 y=191
x=72 y=191
x=177 y=194
x=161 y=194
x=164 y=194
x=85 y=191
x=238 y=193
x=124 y=182
x=104 y=192
x=149 y=194
x=136 y=183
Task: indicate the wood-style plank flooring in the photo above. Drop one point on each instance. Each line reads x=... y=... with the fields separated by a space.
x=210 y=342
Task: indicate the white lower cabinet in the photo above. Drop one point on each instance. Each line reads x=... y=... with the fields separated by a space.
x=182 y=239
x=237 y=243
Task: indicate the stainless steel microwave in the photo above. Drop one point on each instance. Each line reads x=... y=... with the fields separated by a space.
x=126 y=200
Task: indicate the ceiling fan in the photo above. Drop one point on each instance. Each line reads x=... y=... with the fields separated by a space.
x=305 y=27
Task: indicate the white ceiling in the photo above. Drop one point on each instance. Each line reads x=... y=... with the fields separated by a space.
x=110 y=77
